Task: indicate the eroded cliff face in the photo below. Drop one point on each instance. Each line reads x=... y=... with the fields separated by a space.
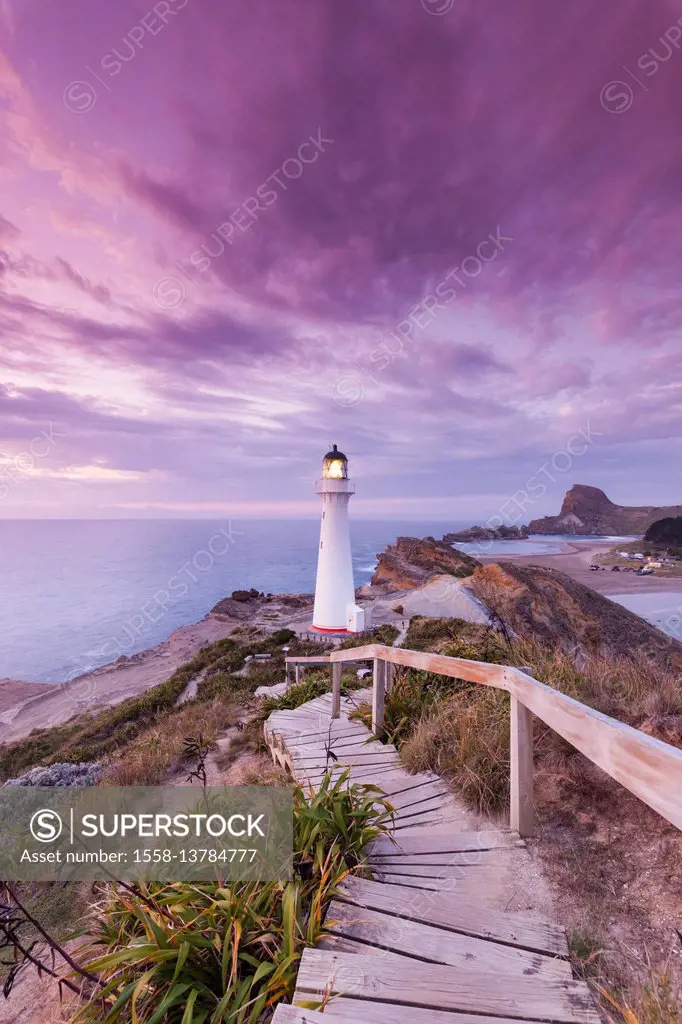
x=410 y=562
x=588 y=511
x=548 y=606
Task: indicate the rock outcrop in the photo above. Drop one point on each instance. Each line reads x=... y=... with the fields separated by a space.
x=487 y=533
x=588 y=511
x=411 y=562
x=546 y=605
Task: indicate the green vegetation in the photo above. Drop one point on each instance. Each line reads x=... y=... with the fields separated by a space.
x=207 y=953
x=315 y=685
x=385 y=634
x=666 y=533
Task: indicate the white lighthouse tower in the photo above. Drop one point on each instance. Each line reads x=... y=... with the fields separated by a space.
x=335 y=607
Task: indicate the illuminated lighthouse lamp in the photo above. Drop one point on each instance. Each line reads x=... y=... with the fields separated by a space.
x=335 y=608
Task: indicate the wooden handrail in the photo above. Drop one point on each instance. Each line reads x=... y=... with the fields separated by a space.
x=645 y=766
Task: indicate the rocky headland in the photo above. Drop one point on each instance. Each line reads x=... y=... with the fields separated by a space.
x=473 y=533
x=588 y=511
x=410 y=562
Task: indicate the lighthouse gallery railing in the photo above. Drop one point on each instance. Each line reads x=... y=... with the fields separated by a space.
x=645 y=766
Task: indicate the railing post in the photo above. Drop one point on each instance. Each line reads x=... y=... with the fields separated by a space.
x=389 y=669
x=297 y=677
x=336 y=689
x=521 y=812
x=378 y=690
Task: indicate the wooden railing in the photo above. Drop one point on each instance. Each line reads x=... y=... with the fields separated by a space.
x=645 y=766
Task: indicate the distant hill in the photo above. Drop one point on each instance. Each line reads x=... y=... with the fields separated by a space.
x=666 y=532
x=487 y=533
x=587 y=510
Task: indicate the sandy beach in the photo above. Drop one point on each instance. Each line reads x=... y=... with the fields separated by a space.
x=575 y=562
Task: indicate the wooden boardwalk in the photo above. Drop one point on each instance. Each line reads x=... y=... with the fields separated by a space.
x=424 y=941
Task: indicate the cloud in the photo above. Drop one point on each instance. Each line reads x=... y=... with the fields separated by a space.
x=440 y=133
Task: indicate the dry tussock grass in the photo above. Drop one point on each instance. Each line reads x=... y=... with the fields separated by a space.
x=148 y=759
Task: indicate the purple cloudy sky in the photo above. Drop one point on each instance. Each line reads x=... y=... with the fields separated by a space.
x=234 y=231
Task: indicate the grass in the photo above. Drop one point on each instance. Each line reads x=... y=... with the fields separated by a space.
x=207 y=953
x=385 y=634
x=315 y=685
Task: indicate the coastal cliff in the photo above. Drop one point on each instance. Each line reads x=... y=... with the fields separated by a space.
x=588 y=511
x=547 y=606
x=410 y=562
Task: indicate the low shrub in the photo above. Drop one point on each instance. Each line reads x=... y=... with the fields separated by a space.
x=283 y=636
x=385 y=634
x=201 y=953
x=300 y=693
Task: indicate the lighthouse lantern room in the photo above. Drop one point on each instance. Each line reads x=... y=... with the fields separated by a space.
x=335 y=607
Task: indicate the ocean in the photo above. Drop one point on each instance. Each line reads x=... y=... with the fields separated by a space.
x=75 y=594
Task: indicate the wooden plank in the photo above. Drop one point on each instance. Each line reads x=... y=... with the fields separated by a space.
x=384 y=932
x=456 y=914
x=336 y=689
x=416 y=795
x=474 y=884
x=365 y=1012
x=472 y=859
x=361 y=773
x=373 y=758
x=378 y=696
x=521 y=809
x=553 y=999
x=401 y=782
x=425 y=661
x=336 y=730
x=444 y=805
x=350 y=743
x=397 y=867
x=427 y=820
x=458 y=842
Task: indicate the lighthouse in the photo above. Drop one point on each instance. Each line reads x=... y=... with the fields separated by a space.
x=335 y=607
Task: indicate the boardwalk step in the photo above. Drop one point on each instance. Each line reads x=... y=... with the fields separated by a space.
x=458 y=842
x=364 y=1012
x=454 y=914
x=377 y=931
x=423 y=941
x=416 y=984
x=465 y=883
